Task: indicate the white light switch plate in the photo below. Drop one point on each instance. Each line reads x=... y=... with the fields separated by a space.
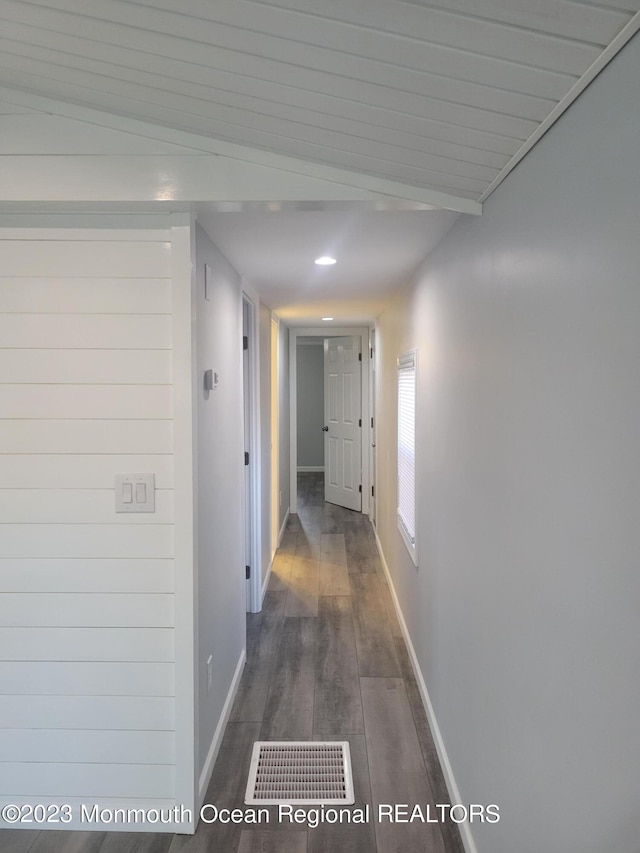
x=135 y=492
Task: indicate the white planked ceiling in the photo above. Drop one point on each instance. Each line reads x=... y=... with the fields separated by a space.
x=443 y=96
x=370 y=108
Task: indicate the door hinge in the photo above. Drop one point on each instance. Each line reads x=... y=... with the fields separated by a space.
x=247 y=572
x=246 y=457
x=371 y=423
x=371 y=352
x=359 y=356
x=373 y=492
x=359 y=422
x=360 y=488
x=245 y=342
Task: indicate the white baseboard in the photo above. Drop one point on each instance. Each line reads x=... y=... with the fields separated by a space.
x=282 y=529
x=265 y=583
x=454 y=793
x=303 y=469
x=214 y=749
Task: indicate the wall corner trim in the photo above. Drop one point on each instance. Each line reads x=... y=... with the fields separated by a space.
x=214 y=749
x=454 y=793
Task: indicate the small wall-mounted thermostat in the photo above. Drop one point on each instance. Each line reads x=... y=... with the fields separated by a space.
x=135 y=492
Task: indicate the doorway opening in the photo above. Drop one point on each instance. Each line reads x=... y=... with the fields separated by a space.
x=275 y=457
x=332 y=391
x=251 y=485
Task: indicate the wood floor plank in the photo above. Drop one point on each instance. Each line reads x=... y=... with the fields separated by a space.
x=226 y=790
x=313 y=516
x=374 y=641
x=332 y=518
x=18 y=840
x=337 y=705
x=67 y=842
x=397 y=771
x=280 y=572
x=334 y=577
x=359 y=558
x=288 y=713
x=354 y=837
x=308 y=539
x=263 y=637
x=389 y=606
x=136 y=842
x=289 y=539
x=310 y=488
x=450 y=830
x=275 y=841
x=302 y=598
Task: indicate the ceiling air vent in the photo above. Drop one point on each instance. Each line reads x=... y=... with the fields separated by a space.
x=303 y=772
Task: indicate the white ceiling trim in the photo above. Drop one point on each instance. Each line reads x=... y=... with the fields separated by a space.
x=612 y=49
x=380 y=188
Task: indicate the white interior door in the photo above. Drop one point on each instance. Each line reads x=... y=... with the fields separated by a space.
x=343 y=422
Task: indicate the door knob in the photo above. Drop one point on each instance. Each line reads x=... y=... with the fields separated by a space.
x=325 y=429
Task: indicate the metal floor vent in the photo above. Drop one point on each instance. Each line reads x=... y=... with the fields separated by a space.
x=300 y=772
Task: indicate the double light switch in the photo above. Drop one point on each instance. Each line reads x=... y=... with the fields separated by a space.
x=135 y=493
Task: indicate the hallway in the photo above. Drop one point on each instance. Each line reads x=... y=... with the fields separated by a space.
x=325 y=660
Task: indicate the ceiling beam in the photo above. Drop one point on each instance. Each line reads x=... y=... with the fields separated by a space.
x=219 y=171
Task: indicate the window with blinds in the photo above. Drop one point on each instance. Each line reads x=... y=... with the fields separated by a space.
x=407 y=451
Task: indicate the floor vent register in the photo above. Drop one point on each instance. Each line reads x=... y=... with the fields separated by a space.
x=300 y=773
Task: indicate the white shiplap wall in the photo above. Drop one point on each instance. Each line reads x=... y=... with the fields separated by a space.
x=87 y=606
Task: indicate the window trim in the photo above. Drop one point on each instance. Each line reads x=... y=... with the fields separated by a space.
x=407 y=362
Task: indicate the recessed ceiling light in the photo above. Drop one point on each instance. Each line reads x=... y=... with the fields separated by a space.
x=325 y=261
x=327 y=318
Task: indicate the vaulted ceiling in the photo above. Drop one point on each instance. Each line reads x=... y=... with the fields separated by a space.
x=445 y=95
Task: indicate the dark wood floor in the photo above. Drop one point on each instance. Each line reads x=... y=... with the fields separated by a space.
x=325 y=661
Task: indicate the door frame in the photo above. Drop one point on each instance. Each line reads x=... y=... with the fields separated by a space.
x=329 y=332
x=373 y=513
x=254 y=507
x=339 y=493
x=274 y=327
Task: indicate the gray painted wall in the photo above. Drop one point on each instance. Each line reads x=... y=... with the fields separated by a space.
x=310 y=403
x=220 y=579
x=524 y=608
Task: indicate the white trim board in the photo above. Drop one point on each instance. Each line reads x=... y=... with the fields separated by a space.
x=216 y=740
x=224 y=171
x=185 y=497
x=612 y=49
x=265 y=583
x=255 y=593
x=447 y=770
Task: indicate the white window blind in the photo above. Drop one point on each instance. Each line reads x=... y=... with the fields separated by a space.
x=407 y=450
